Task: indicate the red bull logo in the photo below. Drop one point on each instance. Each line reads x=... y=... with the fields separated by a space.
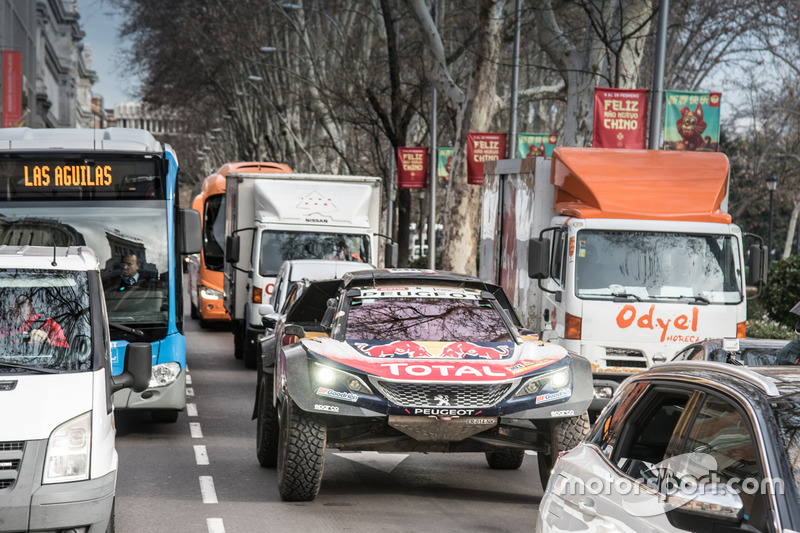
x=467 y=350
x=394 y=349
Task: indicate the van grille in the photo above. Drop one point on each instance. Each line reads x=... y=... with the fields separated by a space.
x=436 y=394
x=10 y=459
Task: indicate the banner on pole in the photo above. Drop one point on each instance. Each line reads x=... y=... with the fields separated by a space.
x=12 y=88
x=444 y=158
x=412 y=168
x=691 y=121
x=536 y=144
x=483 y=147
x=620 y=118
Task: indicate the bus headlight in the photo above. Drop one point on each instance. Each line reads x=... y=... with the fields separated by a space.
x=164 y=374
x=68 y=451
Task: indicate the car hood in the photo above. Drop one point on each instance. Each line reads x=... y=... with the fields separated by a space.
x=439 y=361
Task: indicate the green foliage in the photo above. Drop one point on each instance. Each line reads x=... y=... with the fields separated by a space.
x=783 y=290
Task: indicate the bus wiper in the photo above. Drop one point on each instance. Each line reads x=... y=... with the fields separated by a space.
x=623 y=296
x=31 y=368
x=126 y=329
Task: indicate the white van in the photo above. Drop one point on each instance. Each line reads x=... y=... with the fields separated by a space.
x=58 y=464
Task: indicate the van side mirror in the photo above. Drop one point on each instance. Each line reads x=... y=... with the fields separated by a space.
x=232 y=249
x=538 y=258
x=192 y=238
x=757 y=263
x=138 y=368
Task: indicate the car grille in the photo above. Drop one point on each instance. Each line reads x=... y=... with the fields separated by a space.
x=443 y=394
x=632 y=358
x=10 y=458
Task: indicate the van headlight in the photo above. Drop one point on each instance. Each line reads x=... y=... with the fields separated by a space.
x=164 y=374
x=68 y=451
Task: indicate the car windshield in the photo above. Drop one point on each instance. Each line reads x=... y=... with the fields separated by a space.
x=44 y=321
x=657 y=266
x=425 y=319
x=787 y=414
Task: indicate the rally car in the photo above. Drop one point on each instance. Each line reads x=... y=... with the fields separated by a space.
x=412 y=360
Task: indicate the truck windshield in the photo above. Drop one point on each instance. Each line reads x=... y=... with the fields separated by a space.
x=279 y=246
x=44 y=321
x=657 y=266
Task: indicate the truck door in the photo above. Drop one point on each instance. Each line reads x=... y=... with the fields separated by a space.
x=553 y=314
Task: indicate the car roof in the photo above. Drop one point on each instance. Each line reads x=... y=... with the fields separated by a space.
x=771 y=380
x=321 y=268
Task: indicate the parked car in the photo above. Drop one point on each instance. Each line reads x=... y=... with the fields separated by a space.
x=747 y=352
x=412 y=360
x=686 y=446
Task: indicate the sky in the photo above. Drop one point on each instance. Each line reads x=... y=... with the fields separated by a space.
x=101 y=23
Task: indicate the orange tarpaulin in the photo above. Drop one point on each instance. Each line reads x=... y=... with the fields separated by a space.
x=640 y=184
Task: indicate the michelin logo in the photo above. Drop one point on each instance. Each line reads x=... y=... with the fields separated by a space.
x=346 y=396
x=552 y=396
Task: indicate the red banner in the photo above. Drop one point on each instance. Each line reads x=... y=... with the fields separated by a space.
x=620 y=118
x=483 y=147
x=412 y=168
x=12 y=88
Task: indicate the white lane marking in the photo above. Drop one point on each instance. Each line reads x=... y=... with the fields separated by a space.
x=530 y=452
x=191 y=409
x=188 y=379
x=194 y=428
x=215 y=525
x=189 y=392
x=385 y=462
x=200 y=454
x=207 y=489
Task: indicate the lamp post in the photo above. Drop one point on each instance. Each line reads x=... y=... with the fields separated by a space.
x=772 y=184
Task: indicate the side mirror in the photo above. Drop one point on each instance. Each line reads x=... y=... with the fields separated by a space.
x=757 y=262
x=265 y=309
x=270 y=320
x=138 y=368
x=327 y=318
x=391 y=253
x=539 y=258
x=705 y=507
x=296 y=330
x=191 y=232
x=232 y=249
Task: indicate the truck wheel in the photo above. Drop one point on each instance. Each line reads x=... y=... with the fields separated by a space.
x=166 y=416
x=301 y=453
x=267 y=424
x=565 y=434
x=505 y=460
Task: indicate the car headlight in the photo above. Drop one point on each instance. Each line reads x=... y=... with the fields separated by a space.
x=164 y=374
x=556 y=380
x=328 y=377
x=207 y=293
x=68 y=451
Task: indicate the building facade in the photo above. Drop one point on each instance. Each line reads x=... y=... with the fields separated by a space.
x=56 y=66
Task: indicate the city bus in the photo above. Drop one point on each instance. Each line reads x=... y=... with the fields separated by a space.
x=115 y=191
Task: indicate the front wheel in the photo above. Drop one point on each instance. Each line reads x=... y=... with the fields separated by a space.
x=564 y=434
x=267 y=424
x=301 y=453
x=505 y=460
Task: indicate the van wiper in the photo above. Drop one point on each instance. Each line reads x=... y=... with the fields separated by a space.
x=697 y=299
x=623 y=296
x=126 y=329
x=31 y=368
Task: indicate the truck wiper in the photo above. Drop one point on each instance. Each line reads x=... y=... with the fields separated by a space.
x=697 y=299
x=31 y=368
x=126 y=329
x=623 y=296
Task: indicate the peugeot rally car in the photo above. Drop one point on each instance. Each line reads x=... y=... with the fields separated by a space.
x=412 y=360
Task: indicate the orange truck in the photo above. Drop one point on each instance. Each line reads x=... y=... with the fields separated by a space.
x=621 y=256
x=208 y=283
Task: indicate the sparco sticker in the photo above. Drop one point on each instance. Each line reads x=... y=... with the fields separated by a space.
x=566 y=412
x=552 y=396
x=322 y=407
x=346 y=396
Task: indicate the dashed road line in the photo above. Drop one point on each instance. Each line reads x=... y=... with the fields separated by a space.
x=189 y=392
x=194 y=429
x=207 y=489
x=188 y=379
x=191 y=409
x=200 y=455
x=215 y=525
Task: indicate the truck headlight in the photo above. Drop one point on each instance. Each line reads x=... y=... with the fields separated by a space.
x=327 y=377
x=68 y=451
x=207 y=293
x=164 y=374
x=556 y=380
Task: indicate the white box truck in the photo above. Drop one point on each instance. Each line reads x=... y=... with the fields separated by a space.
x=271 y=218
x=58 y=463
x=632 y=253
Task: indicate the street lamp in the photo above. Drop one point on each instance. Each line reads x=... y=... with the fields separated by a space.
x=772 y=184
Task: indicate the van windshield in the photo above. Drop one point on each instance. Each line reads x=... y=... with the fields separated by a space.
x=44 y=321
x=279 y=246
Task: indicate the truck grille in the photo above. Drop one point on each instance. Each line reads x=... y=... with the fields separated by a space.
x=10 y=459
x=443 y=394
x=632 y=358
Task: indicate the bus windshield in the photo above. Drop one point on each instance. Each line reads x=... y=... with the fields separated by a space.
x=214 y=232
x=129 y=237
x=280 y=246
x=657 y=266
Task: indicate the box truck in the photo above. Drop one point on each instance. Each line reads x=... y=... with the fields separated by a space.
x=58 y=463
x=630 y=253
x=272 y=218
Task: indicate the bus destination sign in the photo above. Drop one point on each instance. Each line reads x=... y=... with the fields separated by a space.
x=65 y=175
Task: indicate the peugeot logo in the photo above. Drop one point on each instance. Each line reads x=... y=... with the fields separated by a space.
x=442 y=399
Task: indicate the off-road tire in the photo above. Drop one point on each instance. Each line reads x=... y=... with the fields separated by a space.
x=164 y=416
x=505 y=460
x=565 y=434
x=301 y=453
x=267 y=424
